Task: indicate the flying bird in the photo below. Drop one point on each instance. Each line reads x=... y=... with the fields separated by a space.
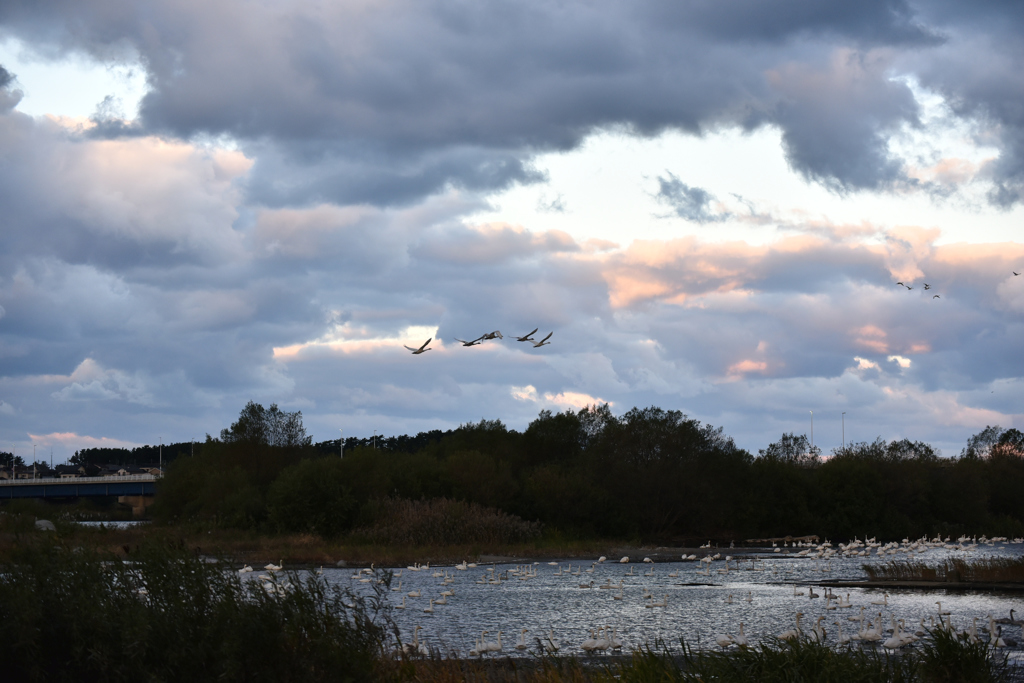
x=1015 y=272
x=528 y=336
x=927 y=286
x=909 y=287
x=936 y=297
x=544 y=341
x=900 y=283
x=492 y=335
x=475 y=342
x=420 y=350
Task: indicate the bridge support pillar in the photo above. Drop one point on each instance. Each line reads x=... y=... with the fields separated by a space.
x=138 y=503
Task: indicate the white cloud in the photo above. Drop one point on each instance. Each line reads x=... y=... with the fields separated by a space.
x=900 y=360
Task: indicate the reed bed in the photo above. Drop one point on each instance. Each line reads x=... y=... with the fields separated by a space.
x=954 y=570
x=946 y=659
x=167 y=615
x=441 y=521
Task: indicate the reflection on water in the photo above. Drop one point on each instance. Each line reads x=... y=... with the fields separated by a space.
x=696 y=608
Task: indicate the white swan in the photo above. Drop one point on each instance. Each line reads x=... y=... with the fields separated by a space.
x=245 y=570
x=496 y=645
x=793 y=633
x=421 y=349
x=588 y=644
x=543 y=342
x=843 y=640
x=413 y=594
x=723 y=640
x=430 y=609
x=750 y=596
x=818 y=632
x=741 y=640
x=550 y=645
x=399 y=589
x=796 y=592
x=402 y=606
x=521 y=644
x=883 y=602
x=941 y=612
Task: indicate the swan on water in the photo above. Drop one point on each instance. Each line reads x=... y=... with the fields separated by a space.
x=741 y=639
x=793 y=633
x=430 y=609
x=402 y=606
x=549 y=644
x=883 y=602
x=521 y=644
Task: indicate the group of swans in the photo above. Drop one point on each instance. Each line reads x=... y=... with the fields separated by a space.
x=482 y=338
x=725 y=640
x=602 y=642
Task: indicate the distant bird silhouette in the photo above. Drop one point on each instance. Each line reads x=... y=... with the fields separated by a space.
x=927 y=286
x=475 y=342
x=1015 y=272
x=901 y=284
x=936 y=297
x=528 y=336
x=420 y=350
x=544 y=341
x=909 y=287
x=492 y=335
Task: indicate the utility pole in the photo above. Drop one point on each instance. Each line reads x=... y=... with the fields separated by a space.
x=341 y=442
x=844 y=429
x=161 y=456
x=374 y=439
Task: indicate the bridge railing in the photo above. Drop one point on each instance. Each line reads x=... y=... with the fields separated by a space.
x=77 y=480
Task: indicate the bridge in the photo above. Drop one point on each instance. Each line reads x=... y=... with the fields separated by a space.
x=136 y=490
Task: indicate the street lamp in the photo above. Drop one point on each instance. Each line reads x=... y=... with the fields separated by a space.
x=341 y=441
x=812 y=430
x=844 y=429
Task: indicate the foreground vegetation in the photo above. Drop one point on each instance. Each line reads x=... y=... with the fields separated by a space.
x=168 y=615
x=957 y=570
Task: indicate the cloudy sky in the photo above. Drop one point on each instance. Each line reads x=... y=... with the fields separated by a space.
x=708 y=202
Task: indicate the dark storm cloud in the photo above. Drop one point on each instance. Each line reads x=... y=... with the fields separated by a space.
x=389 y=102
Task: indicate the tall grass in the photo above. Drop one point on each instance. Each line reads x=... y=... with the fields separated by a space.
x=995 y=570
x=167 y=615
x=441 y=521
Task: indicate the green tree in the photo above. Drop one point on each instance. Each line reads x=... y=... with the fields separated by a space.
x=312 y=496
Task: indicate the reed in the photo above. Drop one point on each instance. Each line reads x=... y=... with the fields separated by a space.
x=165 y=615
x=956 y=570
x=441 y=521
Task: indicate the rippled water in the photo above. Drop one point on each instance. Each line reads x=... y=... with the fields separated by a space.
x=696 y=609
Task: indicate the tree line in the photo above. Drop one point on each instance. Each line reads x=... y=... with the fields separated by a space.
x=649 y=474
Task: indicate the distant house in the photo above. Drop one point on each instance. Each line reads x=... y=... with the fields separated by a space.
x=152 y=469
x=69 y=471
x=22 y=472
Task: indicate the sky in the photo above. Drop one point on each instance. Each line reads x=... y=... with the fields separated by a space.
x=709 y=205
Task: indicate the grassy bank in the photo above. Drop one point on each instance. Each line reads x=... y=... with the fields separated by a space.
x=251 y=547
x=953 y=570
x=168 y=615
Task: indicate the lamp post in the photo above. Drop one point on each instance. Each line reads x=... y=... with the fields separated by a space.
x=844 y=429
x=161 y=456
x=374 y=439
x=812 y=430
x=341 y=442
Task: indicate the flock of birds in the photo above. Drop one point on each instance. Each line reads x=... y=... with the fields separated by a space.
x=528 y=337
x=867 y=627
x=927 y=286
